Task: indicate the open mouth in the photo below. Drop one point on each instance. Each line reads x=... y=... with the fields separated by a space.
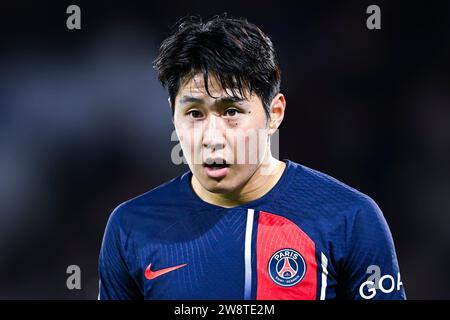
x=216 y=163
x=216 y=168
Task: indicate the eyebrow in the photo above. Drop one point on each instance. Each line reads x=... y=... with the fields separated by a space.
x=190 y=99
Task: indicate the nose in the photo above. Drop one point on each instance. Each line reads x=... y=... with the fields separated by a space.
x=213 y=133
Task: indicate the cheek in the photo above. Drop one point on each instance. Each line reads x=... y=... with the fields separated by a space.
x=249 y=146
x=190 y=141
x=254 y=120
x=185 y=139
x=233 y=123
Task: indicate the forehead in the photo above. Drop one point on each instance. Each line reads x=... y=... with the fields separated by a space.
x=195 y=87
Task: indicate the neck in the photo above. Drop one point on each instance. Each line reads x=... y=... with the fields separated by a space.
x=260 y=183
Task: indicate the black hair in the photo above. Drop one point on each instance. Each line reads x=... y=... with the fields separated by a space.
x=233 y=50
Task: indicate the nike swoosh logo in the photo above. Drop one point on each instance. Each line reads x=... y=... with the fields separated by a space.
x=150 y=275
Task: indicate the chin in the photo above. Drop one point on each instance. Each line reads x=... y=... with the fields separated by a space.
x=218 y=186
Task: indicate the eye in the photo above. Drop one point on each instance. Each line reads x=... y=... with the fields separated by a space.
x=195 y=114
x=231 y=112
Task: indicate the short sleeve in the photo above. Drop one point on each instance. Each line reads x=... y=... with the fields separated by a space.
x=371 y=269
x=115 y=283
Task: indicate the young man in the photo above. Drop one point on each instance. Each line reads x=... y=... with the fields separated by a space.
x=241 y=224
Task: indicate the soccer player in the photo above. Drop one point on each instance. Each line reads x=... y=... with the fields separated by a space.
x=241 y=224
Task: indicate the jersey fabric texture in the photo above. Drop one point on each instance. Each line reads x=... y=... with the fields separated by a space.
x=310 y=237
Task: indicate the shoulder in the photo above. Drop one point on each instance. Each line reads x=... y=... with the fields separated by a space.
x=134 y=210
x=329 y=196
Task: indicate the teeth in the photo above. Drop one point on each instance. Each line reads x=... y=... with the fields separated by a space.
x=210 y=162
x=216 y=165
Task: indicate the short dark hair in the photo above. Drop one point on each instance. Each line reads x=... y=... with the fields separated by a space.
x=234 y=50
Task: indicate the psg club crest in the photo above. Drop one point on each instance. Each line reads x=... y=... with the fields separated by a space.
x=287 y=267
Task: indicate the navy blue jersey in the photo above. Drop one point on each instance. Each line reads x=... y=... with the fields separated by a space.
x=310 y=237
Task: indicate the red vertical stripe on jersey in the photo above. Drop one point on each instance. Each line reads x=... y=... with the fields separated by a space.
x=274 y=233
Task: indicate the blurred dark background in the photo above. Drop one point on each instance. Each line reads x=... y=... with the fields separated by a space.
x=85 y=125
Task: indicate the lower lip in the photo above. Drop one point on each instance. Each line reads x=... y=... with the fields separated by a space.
x=216 y=173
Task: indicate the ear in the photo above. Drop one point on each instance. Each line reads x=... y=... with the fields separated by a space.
x=277 y=108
